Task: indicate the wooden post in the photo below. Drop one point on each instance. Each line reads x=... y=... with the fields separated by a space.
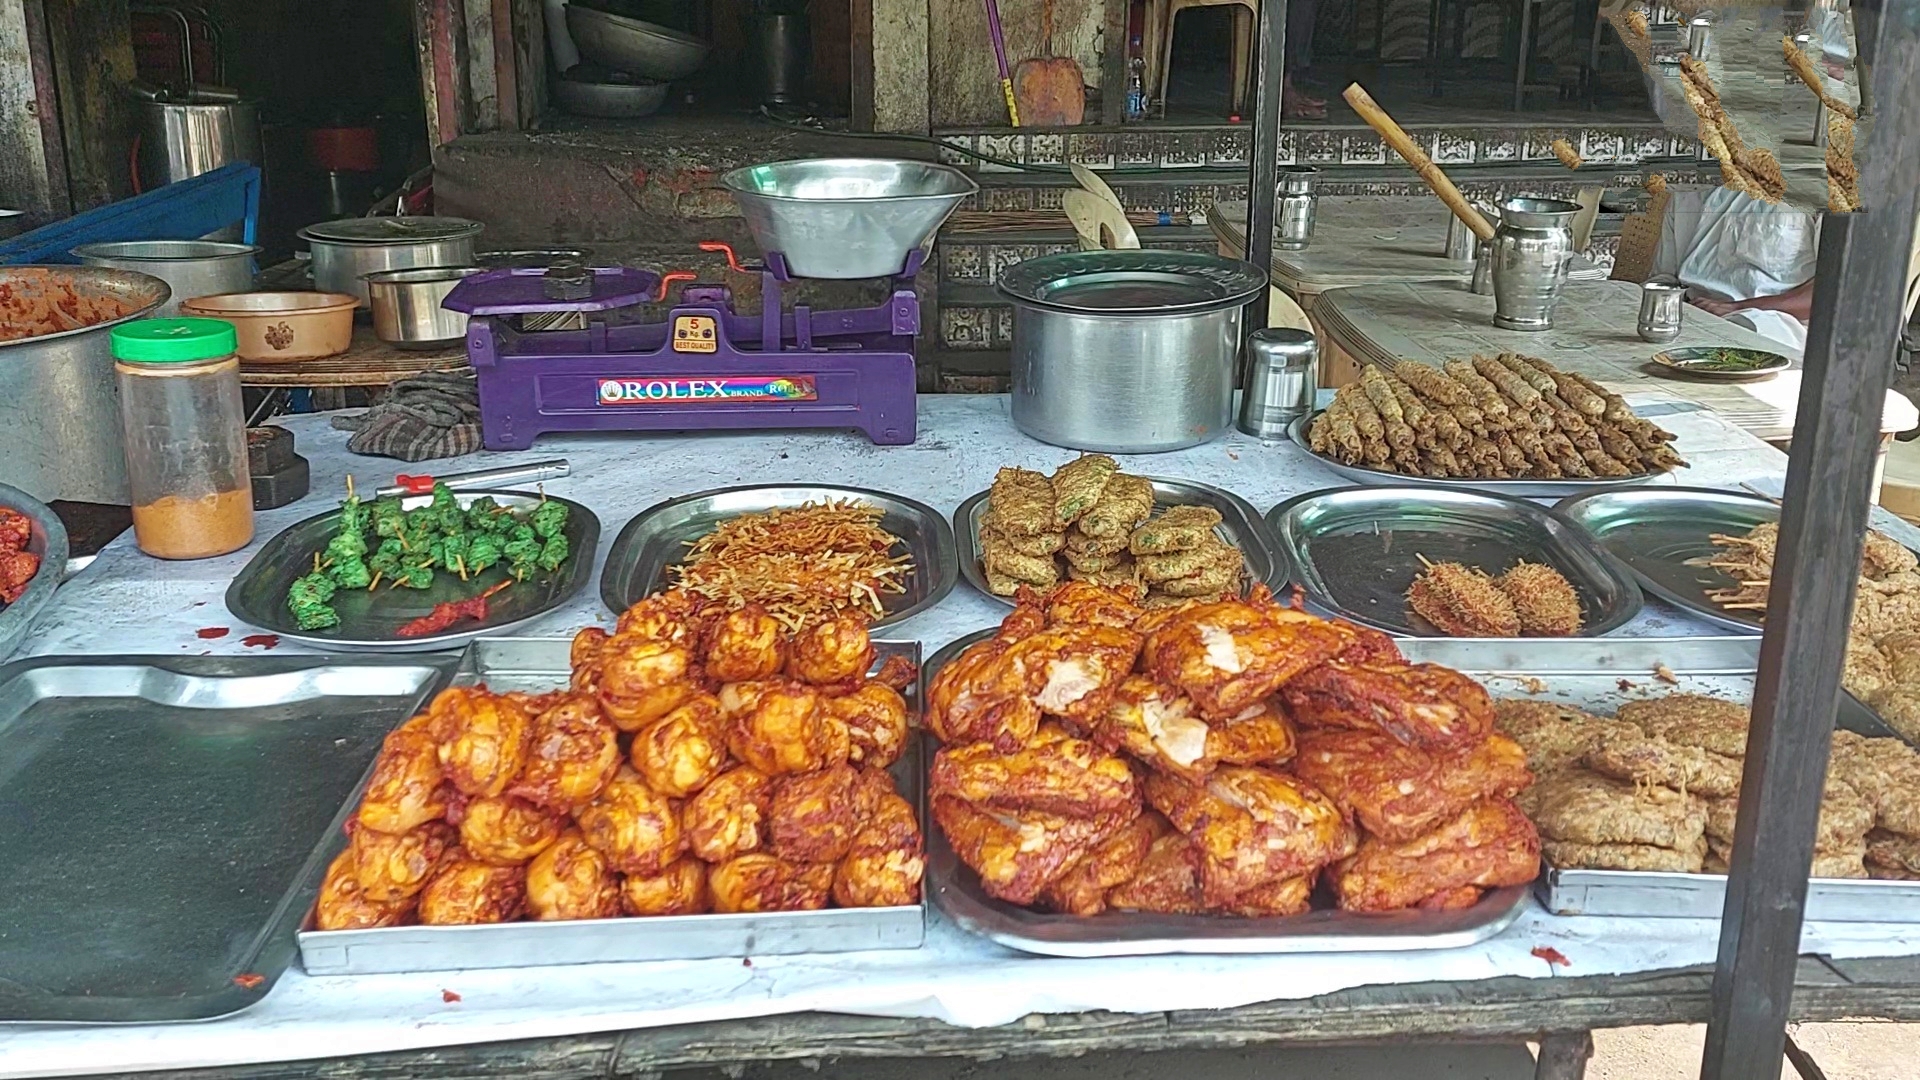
x=1563 y=1056
x=1114 y=44
x=33 y=167
x=91 y=46
x=529 y=24
x=1859 y=293
x=890 y=73
x=439 y=34
x=1269 y=72
x=482 y=65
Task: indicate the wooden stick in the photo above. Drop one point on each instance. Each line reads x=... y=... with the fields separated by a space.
x=1378 y=120
x=1803 y=67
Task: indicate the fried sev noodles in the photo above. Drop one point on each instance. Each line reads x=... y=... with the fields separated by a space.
x=802 y=564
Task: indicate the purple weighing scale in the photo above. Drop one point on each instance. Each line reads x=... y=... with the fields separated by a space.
x=704 y=367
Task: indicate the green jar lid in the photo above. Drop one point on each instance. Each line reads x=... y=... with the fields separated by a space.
x=173 y=341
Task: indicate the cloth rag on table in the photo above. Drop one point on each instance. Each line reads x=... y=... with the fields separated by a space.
x=433 y=415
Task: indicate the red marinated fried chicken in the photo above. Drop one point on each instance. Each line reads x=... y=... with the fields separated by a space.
x=1424 y=705
x=1398 y=791
x=1253 y=826
x=1054 y=774
x=1230 y=655
x=1490 y=844
x=1018 y=854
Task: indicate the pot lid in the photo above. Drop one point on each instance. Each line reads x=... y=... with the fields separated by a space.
x=391 y=230
x=1134 y=282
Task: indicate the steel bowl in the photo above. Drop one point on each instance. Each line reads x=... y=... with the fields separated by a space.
x=611 y=99
x=190 y=267
x=846 y=217
x=49 y=541
x=635 y=47
x=406 y=306
x=347 y=250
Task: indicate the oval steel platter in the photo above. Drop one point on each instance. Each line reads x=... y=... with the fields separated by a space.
x=1665 y=535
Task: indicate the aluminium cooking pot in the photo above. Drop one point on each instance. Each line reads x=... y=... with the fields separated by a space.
x=346 y=251
x=1127 y=352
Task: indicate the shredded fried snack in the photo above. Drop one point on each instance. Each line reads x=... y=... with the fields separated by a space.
x=35 y=302
x=802 y=564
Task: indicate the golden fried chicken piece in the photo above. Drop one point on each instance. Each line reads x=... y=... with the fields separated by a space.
x=1124 y=503
x=762 y=882
x=574 y=753
x=1082 y=890
x=1078 y=485
x=392 y=868
x=644 y=679
x=678 y=889
x=1018 y=854
x=1845 y=818
x=981 y=696
x=1887 y=773
x=1167 y=882
x=886 y=861
x=788 y=731
x=676 y=616
x=1884 y=848
x=507 y=830
x=1072 y=671
x=1709 y=723
x=1584 y=807
x=738 y=699
x=1053 y=774
x=1159 y=727
x=1260 y=736
x=406 y=789
x=728 y=817
x=342 y=905
x=635 y=827
x=572 y=880
x=1399 y=792
x=1489 y=844
x=1556 y=737
x=1252 y=826
x=811 y=817
x=1458 y=899
x=483 y=737
x=1369 y=646
x=1544 y=600
x=1228 y=656
x=876 y=720
x=1020 y=503
x=1573 y=855
x=1645 y=760
x=1080 y=603
x=746 y=644
x=1287 y=896
x=681 y=752
x=836 y=652
x=1424 y=705
x=470 y=892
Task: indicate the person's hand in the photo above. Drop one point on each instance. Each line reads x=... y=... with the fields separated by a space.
x=1722 y=308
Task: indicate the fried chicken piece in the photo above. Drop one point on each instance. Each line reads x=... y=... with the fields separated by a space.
x=1020 y=503
x=572 y=880
x=683 y=751
x=471 y=892
x=811 y=817
x=1487 y=845
x=1899 y=708
x=1398 y=792
x=1584 y=807
x=1570 y=855
x=1546 y=603
x=1287 y=896
x=483 y=739
x=678 y=889
x=1462 y=602
x=1167 y=882
x=1082 y=890
x=1179 y=528
x=728 y=817
x=507 y=830
x=981 y=696
x=343 y=905
x=745 y=645
x=635 y=827
x=1709 y=723
x=763 y=882
x=644 y=679
x=885 y=863
x=407 y=788
x=676 y=616
x=1073 y=670
x=789 y=731
x=1868 y=672
x=1369 y=646
x=574 y=754
x=1644 y=760
x=1883 y=849
x=1423 y=705
x=876 y=720
x=1844 y=863
x=583 y=656
x=1053 y=774
x=1887 y=773
x=1124 y=503
x=1079 y=603
x=1252 y=826
x=1260 y=736
x=1078 y=485
x=1161 y=728
x=1228 y=656
x=1555 y=736
x=1881 y=555
x=1018 y=854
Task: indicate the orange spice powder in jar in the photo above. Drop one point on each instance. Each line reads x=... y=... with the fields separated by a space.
x=184 y=527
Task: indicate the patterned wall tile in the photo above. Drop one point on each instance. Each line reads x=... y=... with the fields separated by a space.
x=1286 y=148
x=1136 y=150
x=1183 y=150
x=1001 y=256
x=1050 y=198
x=1002 y=328
x=1452 y=148
x=962 y=263
x=1046 y=149
x=1367 y=149
x=1537 y=144
x=1602 y=147
x=965 y=327
x=1502 y=145
x=1093 y=151
x=954 y=158
x=1646 y=145
x=1229 y=147
x=1318 y=148
x=1005 y=147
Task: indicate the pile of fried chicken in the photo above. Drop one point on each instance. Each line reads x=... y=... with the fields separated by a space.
x=17 y=564
x=1099 y=756
x=701 y=760
x=1657 y=787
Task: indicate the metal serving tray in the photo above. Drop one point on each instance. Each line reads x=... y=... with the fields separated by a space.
x=168 y=820
x=539 y=664
x=1240 y=525
x=1356 y=550
x=369 y=619
x=1657 y=532
x=49 y=541
x=1524 y=488
x=658 y=539
x=956 y=889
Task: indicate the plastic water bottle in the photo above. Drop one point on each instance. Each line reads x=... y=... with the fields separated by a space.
x=1136 y=84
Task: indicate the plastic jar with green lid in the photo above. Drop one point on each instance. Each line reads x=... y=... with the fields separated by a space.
x=186 y=436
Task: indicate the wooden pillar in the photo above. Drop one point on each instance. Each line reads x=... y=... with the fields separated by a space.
x=440 y=37
x=890 y=73
x=33 y=168
x=90 y=43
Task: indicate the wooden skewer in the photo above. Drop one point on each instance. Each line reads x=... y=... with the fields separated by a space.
x=1402 y=143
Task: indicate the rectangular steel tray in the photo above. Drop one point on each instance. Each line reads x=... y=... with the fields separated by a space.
x=659 y=536
x=956 y=889
x=1240 y=525
x=1360 y=474
x=538 y=664
x=168 y=820
x=1357 y=549
x=369 y=619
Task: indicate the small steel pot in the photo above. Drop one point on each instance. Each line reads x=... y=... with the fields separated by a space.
x=1127 y=352
x=190 y=267
x=345 y=251
x=406 y=306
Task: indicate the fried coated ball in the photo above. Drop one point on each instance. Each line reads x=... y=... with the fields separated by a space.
x=835 y=651
x=636 y=828
x=574 y=753
x=583 y=656
x=571 y=880
x=469 y=892
x=405 y=790
x=876 y=719
x=342 y=905
x=679 y=889
x=675 y=615
x=788 y=731
x=683 y=751
x=483 y=739
x=392 y=868
x=884 y=864
x=745 y=645
x=812 y=817
x=728 y=817
x=644 y=679
x=737 y=698
x=762 y=882
x=507 y=830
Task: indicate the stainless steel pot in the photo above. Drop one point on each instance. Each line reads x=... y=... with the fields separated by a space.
x=184 y=138
x=59 y=407
x=345 y=251
x=189 y=267
x=1532 y=246
x=406 y=306
x=1127 y=352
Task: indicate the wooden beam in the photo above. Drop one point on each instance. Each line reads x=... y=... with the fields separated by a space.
x=1114 y=45
x=33 y=171
x=1269 y=73
x=439 y=35
x=897 y=84
x=90 y=43
x=506 y=64
x=530 y=62
x=482 y=70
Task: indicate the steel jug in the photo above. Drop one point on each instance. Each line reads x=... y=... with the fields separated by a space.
x=1531 y=249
